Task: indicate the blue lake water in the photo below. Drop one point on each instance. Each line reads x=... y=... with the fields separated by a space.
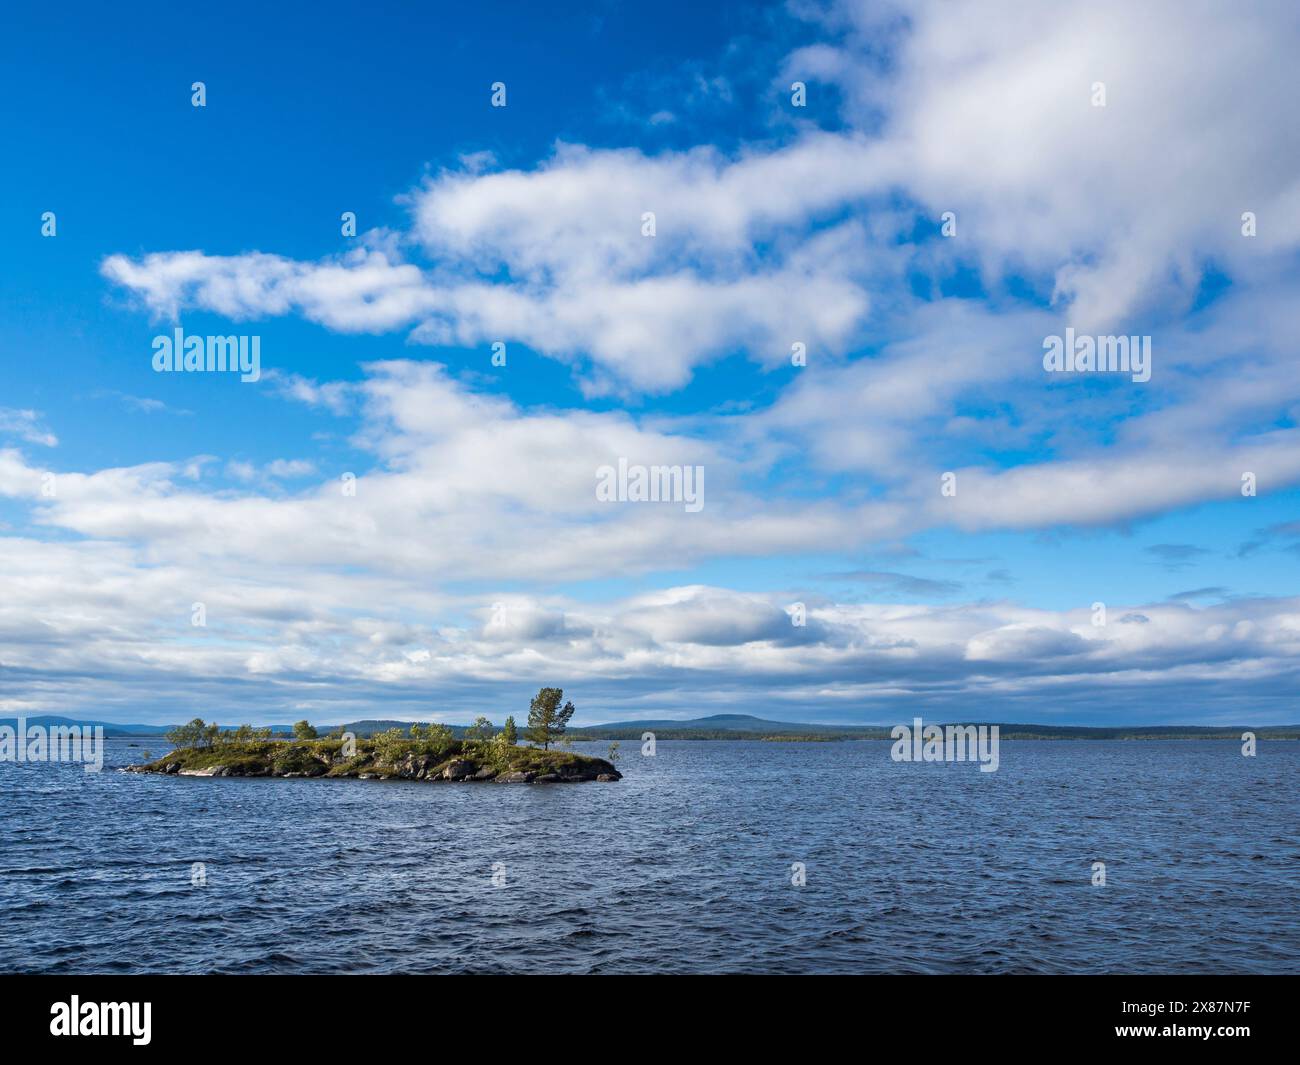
x=683 y=866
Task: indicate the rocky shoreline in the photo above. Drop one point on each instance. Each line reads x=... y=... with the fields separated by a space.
x=457 y=763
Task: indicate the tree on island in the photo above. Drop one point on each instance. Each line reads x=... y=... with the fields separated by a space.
x=510 y=732
x=196 y=734
x=546 y=719
x=302 y=730
x=480 y=730
x=434 y=736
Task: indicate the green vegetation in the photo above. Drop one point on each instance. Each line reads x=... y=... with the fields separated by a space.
x=195 y=734
x=435 y=736
x=200 y=734
x=546 y=719
x=480 y=730
x=421 y=752
x=389 y=756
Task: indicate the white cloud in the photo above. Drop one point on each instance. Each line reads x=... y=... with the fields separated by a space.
x=983 y=109
x=988 y=112
x=463 y=486
x=584 y=280
x=26 y=425
x=92 y=626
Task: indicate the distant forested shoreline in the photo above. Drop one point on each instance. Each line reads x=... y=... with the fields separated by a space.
x=745 y=727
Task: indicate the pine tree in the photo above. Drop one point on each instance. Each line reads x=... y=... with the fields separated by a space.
x=546 y=719
x=510 y=732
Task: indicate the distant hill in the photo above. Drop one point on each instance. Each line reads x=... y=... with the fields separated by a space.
x=727 y=723
x=718 y=726
x=111 y=728
x=745 y=727
x=362 y=729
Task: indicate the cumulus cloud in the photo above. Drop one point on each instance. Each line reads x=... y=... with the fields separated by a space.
x=470 y=486
x=991 y=105
x=585 y=276
x=362 y=291
x=708 y=617
x=90 y=625
x=984 y=110
x=462 y=486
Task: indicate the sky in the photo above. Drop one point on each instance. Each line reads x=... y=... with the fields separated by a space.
x=813 y=253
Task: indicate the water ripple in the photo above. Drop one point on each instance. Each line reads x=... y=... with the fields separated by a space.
x=685 y=865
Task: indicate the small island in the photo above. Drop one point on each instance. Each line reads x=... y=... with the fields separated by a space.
x=424 y=752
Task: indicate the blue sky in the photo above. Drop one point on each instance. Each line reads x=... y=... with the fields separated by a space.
x=475 y=561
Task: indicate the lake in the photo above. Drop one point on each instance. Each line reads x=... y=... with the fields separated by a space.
x=683 y=866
